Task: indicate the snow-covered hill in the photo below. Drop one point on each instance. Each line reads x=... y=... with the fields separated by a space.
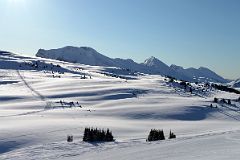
x=44 y=100
x=83 y=55
x=152 y=65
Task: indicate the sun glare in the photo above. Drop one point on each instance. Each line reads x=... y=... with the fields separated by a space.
x=16 y=1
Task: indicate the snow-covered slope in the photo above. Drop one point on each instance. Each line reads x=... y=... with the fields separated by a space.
x=236 y=83
x=44 y=100
x=152 y=65
x=213 y=146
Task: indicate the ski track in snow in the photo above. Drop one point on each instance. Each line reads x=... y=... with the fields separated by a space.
x=36 y=93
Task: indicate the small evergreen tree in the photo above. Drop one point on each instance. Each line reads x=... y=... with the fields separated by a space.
x=215 y=100
x=108 y=136
x=69 y=138
x=86 y=137
x=171 y=135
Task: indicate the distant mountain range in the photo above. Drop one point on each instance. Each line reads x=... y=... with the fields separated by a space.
x=152 y=65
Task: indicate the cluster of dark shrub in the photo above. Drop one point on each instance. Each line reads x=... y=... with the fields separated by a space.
x=225 y=88
x=40 y=65
x=97 y=135
x=216 y=100
x=100 y=135
x=171 y=135
x=184 y=84
x=69 y=104
x=156 y=135
x=69 y=138
x=63 y=104
x=171 y=79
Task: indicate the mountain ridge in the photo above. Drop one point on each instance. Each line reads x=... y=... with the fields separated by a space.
x=152 y=65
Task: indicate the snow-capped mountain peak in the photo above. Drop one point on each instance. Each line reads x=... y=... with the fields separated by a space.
x=152 y=65
x=153 y=61
x=176 y=68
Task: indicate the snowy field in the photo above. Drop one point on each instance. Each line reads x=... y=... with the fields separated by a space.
x=43 y=101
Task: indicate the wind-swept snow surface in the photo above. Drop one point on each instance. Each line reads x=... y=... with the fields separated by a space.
x=43 y=101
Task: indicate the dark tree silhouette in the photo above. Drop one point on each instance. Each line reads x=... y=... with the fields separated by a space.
x=156 y=135
x=69 y=138
x=225 y=88
x=97 y=135
x=171 y=135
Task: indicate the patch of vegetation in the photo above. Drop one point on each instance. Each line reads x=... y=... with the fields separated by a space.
x=69 y=138
x=225 y=88
x=184 y=84
x=156 y=135
x=171 y=79
x=97 y=135
x=171 y=135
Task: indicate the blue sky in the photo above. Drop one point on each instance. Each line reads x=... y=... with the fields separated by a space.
x=190 y=33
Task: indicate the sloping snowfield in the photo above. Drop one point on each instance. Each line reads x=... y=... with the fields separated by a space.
x=43 y=101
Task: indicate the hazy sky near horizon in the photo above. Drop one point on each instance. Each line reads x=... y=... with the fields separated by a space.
x=190 y=33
